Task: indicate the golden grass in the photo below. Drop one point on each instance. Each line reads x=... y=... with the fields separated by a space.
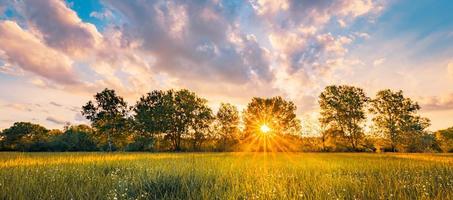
x=225 y=176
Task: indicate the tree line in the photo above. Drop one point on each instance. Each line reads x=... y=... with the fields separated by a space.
x=180 y=120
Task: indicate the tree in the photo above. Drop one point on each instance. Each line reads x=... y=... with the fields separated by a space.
x=276 y=113
x=177 y=114
x=445 y=138
x=227 y=124
x=343 y=109
x=75 y=138
x=395 y=117
x=108 y=114
x=25 y=136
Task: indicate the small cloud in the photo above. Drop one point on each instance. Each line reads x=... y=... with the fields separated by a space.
x=342 y=23
x=106 y=14
x=444 y=102
x=450 y=69
x=56 y=121
x=6 y=68
x=362 y=35
x=19 y=106
x=38 y=82
x=55 y=104
x=378 y=62
x=74 y=109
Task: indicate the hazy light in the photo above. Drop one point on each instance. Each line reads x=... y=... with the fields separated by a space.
x=264 y=128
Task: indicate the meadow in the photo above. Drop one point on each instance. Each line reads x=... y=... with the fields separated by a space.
x=225 y=176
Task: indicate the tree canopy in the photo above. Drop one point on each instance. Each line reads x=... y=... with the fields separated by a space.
x=108 y=113
x=227 y=123
x=24 y=136
x=180 y=120
x=176 y=114
x=343 y=109
x=276 y=113
x=395 y=117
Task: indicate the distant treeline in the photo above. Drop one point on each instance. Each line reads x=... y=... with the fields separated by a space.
x=179 y=120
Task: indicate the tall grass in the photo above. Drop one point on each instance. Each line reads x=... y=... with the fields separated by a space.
x=225 y=176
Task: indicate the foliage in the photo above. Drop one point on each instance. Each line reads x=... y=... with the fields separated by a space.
x=25 y=136
x=141 y=143
x=343 y=109
x=75 y=138
x=227 y=126
x=395 y=117
x=423 y=143
x=177 y=114
x=108 y=114
x=275 y=112
x=445 y=139
x=176 y=120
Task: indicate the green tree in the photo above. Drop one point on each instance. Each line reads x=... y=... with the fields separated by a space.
x=343 y=108
x=25 y=136
x=445 y=138
x=108 y=114
x=75 y=138
x=276 y=113
x=395 y=117
x=176 y=114
x=227 y=124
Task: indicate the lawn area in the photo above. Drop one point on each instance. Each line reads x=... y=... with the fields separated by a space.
x=225 y=176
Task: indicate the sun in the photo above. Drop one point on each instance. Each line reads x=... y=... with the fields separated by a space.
x=265 y=129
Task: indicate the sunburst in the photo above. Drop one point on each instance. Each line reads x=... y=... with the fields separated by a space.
x=265 y=129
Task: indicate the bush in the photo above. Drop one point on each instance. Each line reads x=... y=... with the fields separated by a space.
x=141 y=144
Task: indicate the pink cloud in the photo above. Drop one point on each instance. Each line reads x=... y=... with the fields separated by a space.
x=23 y=49
x=61 y=28
x=443 y=102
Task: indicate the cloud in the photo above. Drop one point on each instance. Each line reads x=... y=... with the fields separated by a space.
x=23 y=49
x=192 y=40
x=342 y=23
x=450 y=69
x=106 y=14
x=362 y=35
x=7 y=68
x=378 y=62
x=220 y=49
x=20 y=107
x=444 y=102
x=39 y=82
x=60 y=26
x=55 y=104
x=56 y=120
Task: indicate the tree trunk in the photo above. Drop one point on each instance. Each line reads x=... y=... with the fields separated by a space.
x=109 y=140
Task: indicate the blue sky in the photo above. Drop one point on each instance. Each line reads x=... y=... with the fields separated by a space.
x=54 y=55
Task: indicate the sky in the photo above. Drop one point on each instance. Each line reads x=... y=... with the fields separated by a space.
x=55 y=55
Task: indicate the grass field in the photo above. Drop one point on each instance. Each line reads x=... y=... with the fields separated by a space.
x=225 y=176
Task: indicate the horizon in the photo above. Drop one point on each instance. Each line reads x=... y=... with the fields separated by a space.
x=55 y=55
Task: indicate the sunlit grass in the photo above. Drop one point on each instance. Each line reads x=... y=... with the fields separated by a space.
x=225 y=176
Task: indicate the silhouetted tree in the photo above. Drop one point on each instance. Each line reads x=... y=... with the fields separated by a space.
x=343 y=108
x=275 y=112
x=227 y=124
x=177 y=114
x=395 y=117
x=108 y=114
